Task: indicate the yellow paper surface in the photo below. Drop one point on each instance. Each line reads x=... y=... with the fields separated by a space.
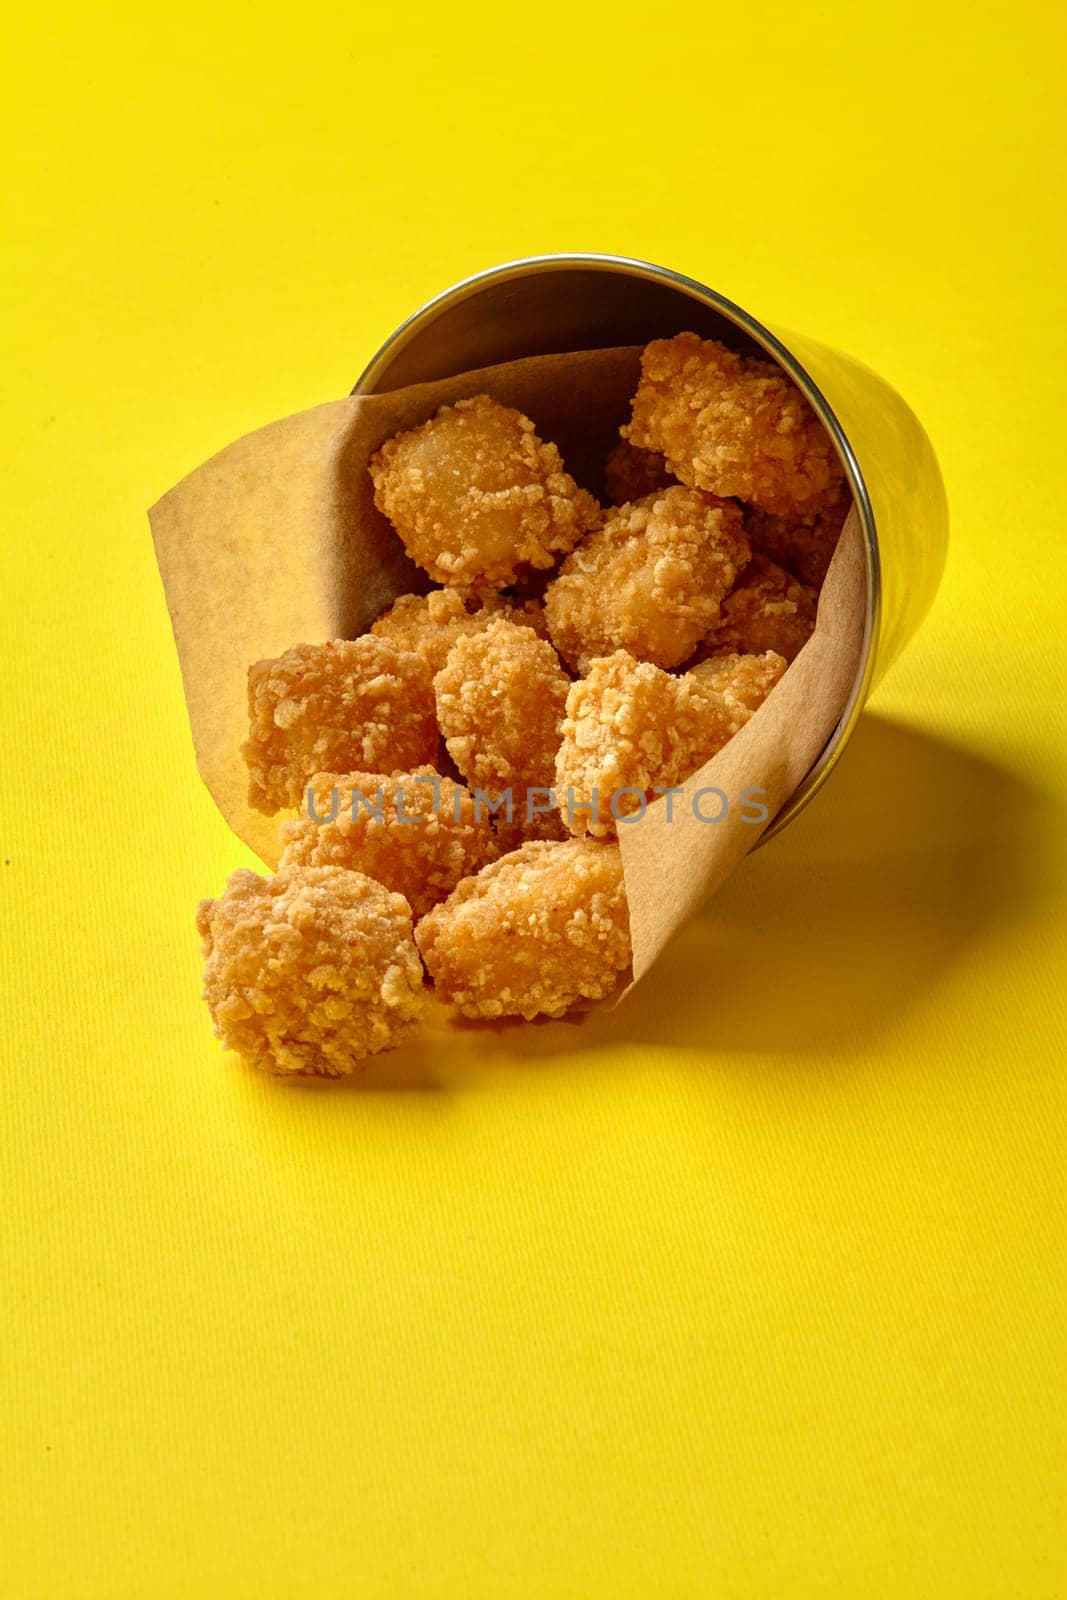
x=751 y=1289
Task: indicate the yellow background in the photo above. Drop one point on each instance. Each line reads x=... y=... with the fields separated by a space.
x=753 y=1289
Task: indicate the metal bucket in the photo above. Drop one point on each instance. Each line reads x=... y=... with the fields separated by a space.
x=547 y=304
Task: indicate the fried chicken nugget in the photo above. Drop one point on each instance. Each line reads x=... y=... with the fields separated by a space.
x=732 y=425
x=309 y=971
x=415 y=832
x=533 y=933
x=500 y=699
x=632 y=727
x=801 y=542
x=649 y=581
x=768 y=610
x=475 y=495
x=431 y=623
x=344 y=705
x=630 y=473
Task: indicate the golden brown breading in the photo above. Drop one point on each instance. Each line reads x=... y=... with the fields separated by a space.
x=768 y=610
x=803 y=543
x=431 y=623
x=732 y=425
x=414 y=832
x=309 y=971
x=631 y=726
x=342 y=706
x=533 y=933
x=475 y=495
x=630 y=473
x=649 y=581
x=500 y=700
x=739 y=684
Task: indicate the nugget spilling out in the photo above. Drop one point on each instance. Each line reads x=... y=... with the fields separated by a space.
x=533 y=934
x=650 y=581
x=679 y=607
x=632 y=729
x=430 y=624
x=476 y=496
x=343 y=706
x=500 y=699
x=733 y=425
x=768 y=610
x=417 y=833
x=309 y=971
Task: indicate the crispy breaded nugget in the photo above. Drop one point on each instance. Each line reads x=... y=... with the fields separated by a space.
x=630 y=473
x=533 y=933
x=415 y=832
x=768 y=610
x=738 y=684
x=431 y=623
x=342 y=706
x=631 y=726
x=309 y=971
x=475 y=495
x=732 y=425
x=500 y=699
x=801 y=542
x=649 y=581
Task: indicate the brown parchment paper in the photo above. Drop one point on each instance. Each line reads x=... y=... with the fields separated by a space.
x=672 y=867
x=276 y=541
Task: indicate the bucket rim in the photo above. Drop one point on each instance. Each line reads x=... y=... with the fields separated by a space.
x=778 y=350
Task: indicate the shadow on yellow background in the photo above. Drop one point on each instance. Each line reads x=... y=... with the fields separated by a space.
x=853 y=914
x=752 y=1289
x=822 y=941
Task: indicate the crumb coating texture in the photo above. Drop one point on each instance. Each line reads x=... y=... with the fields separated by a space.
x=430 y=624
x=650 y=581
x=732 y=425
x=533 y=934
x=414 y=832
x=631 y=726
x=476 y=496
x=343 y=706
x=500 y=700
x=310 y=971
x=768 y=610
x=803 y=542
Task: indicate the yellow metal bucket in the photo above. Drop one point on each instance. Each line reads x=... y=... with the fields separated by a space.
x=546 y=304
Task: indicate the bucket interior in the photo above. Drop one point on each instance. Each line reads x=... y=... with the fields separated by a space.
x=553 y=304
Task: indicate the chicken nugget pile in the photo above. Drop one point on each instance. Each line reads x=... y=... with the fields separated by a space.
x=461 y=772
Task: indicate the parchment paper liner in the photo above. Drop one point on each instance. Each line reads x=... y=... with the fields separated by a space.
x=276 y=541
